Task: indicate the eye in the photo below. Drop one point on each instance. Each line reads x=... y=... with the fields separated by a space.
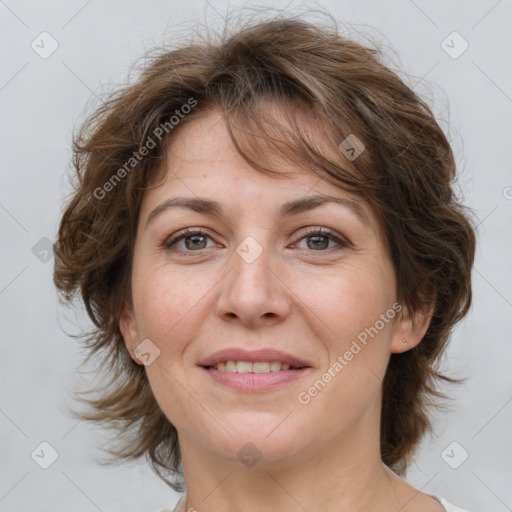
x=319 y=239
x=193 y=240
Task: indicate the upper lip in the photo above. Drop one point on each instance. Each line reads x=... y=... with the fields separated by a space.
x=253 y=356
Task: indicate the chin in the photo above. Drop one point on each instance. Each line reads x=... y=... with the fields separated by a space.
x=262 y=441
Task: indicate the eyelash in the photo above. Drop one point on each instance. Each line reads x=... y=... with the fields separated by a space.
x=326 y=233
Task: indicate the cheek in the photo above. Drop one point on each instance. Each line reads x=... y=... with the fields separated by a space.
x=344 y=310
x=344 y=303
x=168 y=305
x=167 y=302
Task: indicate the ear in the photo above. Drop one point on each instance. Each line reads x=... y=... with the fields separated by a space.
x=128 y=328
x=411 y=327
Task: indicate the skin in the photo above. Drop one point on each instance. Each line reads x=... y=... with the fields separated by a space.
x=309 y=299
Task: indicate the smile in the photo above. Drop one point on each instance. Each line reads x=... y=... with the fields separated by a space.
x=256 y=377
x=250 y=367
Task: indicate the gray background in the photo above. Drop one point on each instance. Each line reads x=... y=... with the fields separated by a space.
x=41 y=100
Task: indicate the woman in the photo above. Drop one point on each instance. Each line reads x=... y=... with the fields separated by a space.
x=265 y=235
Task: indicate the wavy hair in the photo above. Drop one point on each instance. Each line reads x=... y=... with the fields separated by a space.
x=406 y=173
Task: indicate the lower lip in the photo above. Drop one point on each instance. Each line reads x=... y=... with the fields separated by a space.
x=255 y=381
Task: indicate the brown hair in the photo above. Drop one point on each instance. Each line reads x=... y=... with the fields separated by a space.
x=406 y=173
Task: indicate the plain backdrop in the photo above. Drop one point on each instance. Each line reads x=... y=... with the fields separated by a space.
x=466 y=78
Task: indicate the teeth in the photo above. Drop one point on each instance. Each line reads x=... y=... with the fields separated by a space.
x=230 y=366
x=260 y=367
x=275 y=366
x=243 y=367
x=248 y=367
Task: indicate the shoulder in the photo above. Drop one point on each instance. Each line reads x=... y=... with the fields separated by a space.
x=448 y=506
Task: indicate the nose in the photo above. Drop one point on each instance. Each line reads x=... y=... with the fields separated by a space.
x=253 y=293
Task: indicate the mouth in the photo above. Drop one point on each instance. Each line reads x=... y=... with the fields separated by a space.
x=253 y=381
x=260 y=371
x=253 y=367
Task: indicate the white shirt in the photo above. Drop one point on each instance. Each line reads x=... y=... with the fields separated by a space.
x=448 y=506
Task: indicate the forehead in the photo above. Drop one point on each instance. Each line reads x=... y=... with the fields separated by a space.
x=202 y=162
x=202 y=153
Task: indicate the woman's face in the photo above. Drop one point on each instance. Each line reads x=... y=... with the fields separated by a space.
x=260 y=277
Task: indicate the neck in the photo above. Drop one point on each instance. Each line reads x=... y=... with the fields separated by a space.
x=345 y=475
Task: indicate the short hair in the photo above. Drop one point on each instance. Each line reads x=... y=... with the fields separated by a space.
x=406 y=173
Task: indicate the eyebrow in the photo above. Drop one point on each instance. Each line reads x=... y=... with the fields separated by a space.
x=214 y=209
